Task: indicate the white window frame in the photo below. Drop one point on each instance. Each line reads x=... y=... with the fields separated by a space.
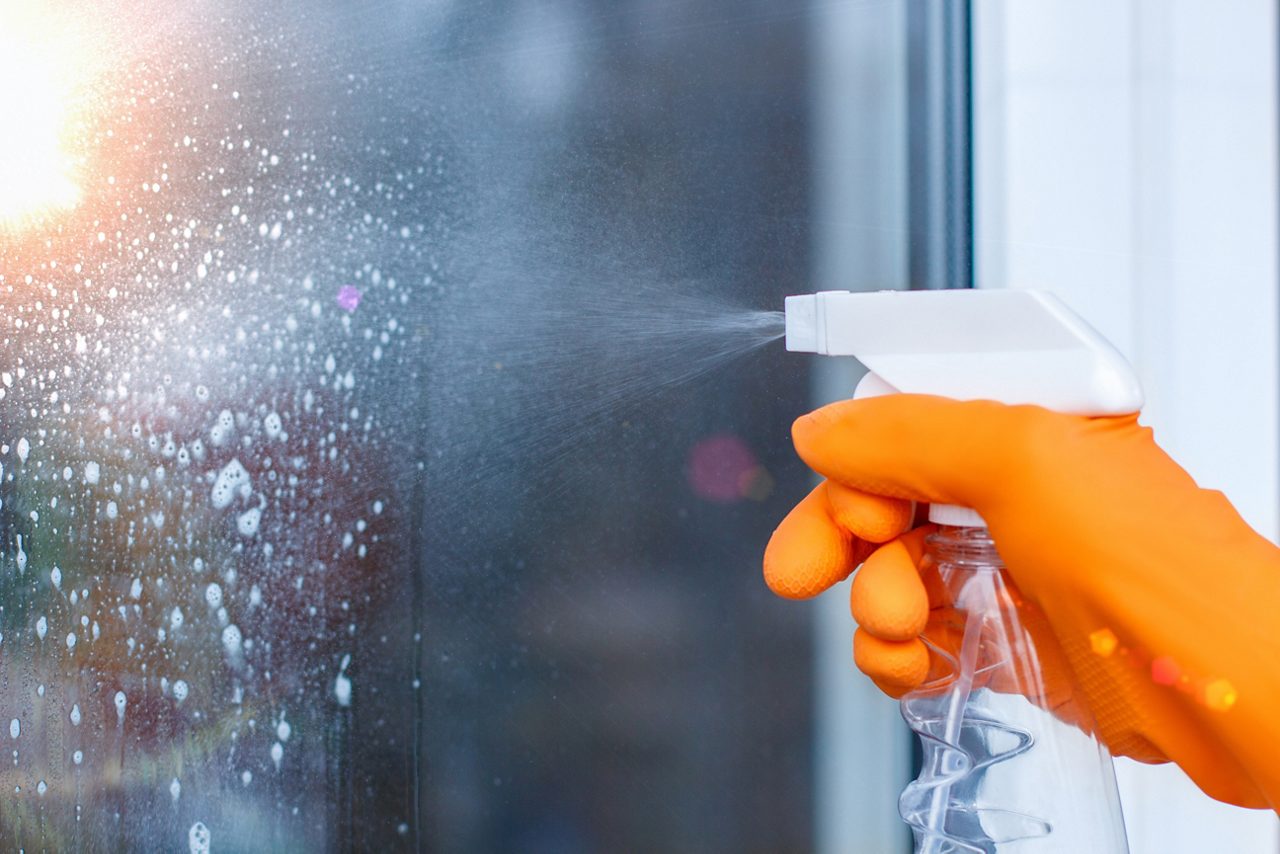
x=1125 y=158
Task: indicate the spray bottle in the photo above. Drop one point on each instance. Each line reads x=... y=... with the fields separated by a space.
x=1010 y=761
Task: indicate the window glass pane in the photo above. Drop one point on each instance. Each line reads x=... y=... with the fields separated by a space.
x=387 y=443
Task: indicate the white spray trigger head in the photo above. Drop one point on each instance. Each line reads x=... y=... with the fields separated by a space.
x=1009 y=346
x=1013 y=347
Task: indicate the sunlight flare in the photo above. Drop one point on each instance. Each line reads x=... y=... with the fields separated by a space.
x=41 y=68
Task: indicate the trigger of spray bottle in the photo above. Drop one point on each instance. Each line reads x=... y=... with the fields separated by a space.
x=1005 y=767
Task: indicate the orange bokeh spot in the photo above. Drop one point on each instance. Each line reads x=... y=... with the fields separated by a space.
x=1103 y=642
x=1165 y=671
x=756 y=484
x=1220 y=695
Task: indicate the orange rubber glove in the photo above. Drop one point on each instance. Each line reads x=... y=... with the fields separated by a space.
x=1165 y=603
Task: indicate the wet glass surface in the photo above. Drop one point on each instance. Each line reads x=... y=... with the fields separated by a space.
x=386 y=444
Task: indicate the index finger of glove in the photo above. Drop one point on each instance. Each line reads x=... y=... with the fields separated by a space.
x=916 y=447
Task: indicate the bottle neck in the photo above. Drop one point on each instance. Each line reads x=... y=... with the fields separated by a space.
x=964 y=547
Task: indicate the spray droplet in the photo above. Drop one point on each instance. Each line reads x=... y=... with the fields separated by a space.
x=42 y=628
x=15 y=728
x=277 y=754
x=75 y=715
x=176 y=618
x=180 y=690
x=41 y=788
x=78 y=757
x=55 y=577
x=121 y=702
x=283 y=730
x=175 y=789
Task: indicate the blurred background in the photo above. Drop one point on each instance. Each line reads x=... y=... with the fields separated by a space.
x=390 y=429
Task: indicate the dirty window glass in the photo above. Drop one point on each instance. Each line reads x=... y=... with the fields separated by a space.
x=387 y=437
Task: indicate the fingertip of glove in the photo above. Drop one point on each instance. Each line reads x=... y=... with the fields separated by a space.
x=808 y=552
x=892 y=691
x=803 y=567
x=901 y=665
x=812 y=424
x=887 y=597
x=801 y=429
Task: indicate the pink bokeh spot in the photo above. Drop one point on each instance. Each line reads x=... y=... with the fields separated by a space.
x=720 y=467
x=349 y=297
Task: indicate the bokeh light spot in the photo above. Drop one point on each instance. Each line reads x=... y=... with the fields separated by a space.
x=1220 y=695
x=723 y=469
x=349 y=297
x=1103 y=642
x=756 y=484
x=1165 y=671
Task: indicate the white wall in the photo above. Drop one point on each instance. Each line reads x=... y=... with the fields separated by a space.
x=1125 y=158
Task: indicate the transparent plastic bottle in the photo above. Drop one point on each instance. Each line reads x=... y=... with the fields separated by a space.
x=1011 y=762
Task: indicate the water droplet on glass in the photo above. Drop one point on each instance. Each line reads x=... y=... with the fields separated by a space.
x=247 y=522
x=231 y=481
x=342 y=684
x=199 y=838
x=231 y=640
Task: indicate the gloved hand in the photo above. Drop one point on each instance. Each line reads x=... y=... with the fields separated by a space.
x=1164 y=601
